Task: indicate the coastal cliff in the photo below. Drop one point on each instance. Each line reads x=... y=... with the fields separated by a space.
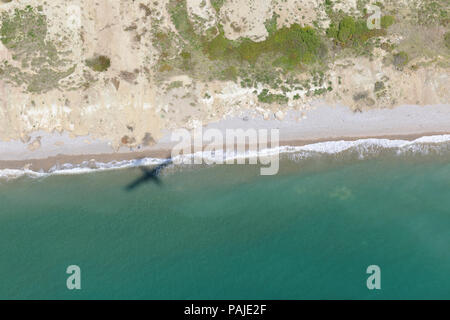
x=126 y=71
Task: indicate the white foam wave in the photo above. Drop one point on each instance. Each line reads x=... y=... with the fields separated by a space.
x=329 y=147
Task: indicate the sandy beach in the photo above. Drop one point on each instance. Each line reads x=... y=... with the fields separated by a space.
x=322 y=123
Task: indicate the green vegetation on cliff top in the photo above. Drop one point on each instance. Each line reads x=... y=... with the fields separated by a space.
x=24 y=33
x=208 y=54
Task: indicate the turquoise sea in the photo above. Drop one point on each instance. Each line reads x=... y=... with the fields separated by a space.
x=226 y=232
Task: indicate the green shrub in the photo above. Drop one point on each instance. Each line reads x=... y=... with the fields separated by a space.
x=379 y=85
x=217 y=4
x=295 y=45
x=230 y=73
x=291 y=47
x=181 y=21
x=186 y=55
x=99 y=64
x=401 y=59
x=267 y=97
x=447 y=39
x=213 y=56
x=332 y=31
x=351 y=32
x=218 y=48
x=271 y=24
x=379 y=4
x=287 y=47
x=360 y=96
x=249 y=50
x=347 y=28
x=174 y=85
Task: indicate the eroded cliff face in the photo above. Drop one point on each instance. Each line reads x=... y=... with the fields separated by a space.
x=126 y=70
x=118 y=103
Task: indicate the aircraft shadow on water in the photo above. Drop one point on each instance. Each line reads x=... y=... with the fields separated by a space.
x=149 y=175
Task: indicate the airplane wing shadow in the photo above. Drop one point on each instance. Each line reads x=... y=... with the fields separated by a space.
x=149 y=175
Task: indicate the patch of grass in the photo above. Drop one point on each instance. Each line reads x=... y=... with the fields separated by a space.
x=180 y=19
x=230 y=73
x=346 y=30
x=447 y=39
x=165 y=68
x=433 y=12
x=290 y=46
x=360 y=96
x=47 y=79
x=219 y=48
x=271 y=24
x=379 y=4
x=217 y=4
x=23 y=32
x=387 y=21
x=174 y=85
x=210 y=56
x=400 y=59
x=99 y=63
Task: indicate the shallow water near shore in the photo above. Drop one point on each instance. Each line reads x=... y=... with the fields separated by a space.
x=225 y=232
